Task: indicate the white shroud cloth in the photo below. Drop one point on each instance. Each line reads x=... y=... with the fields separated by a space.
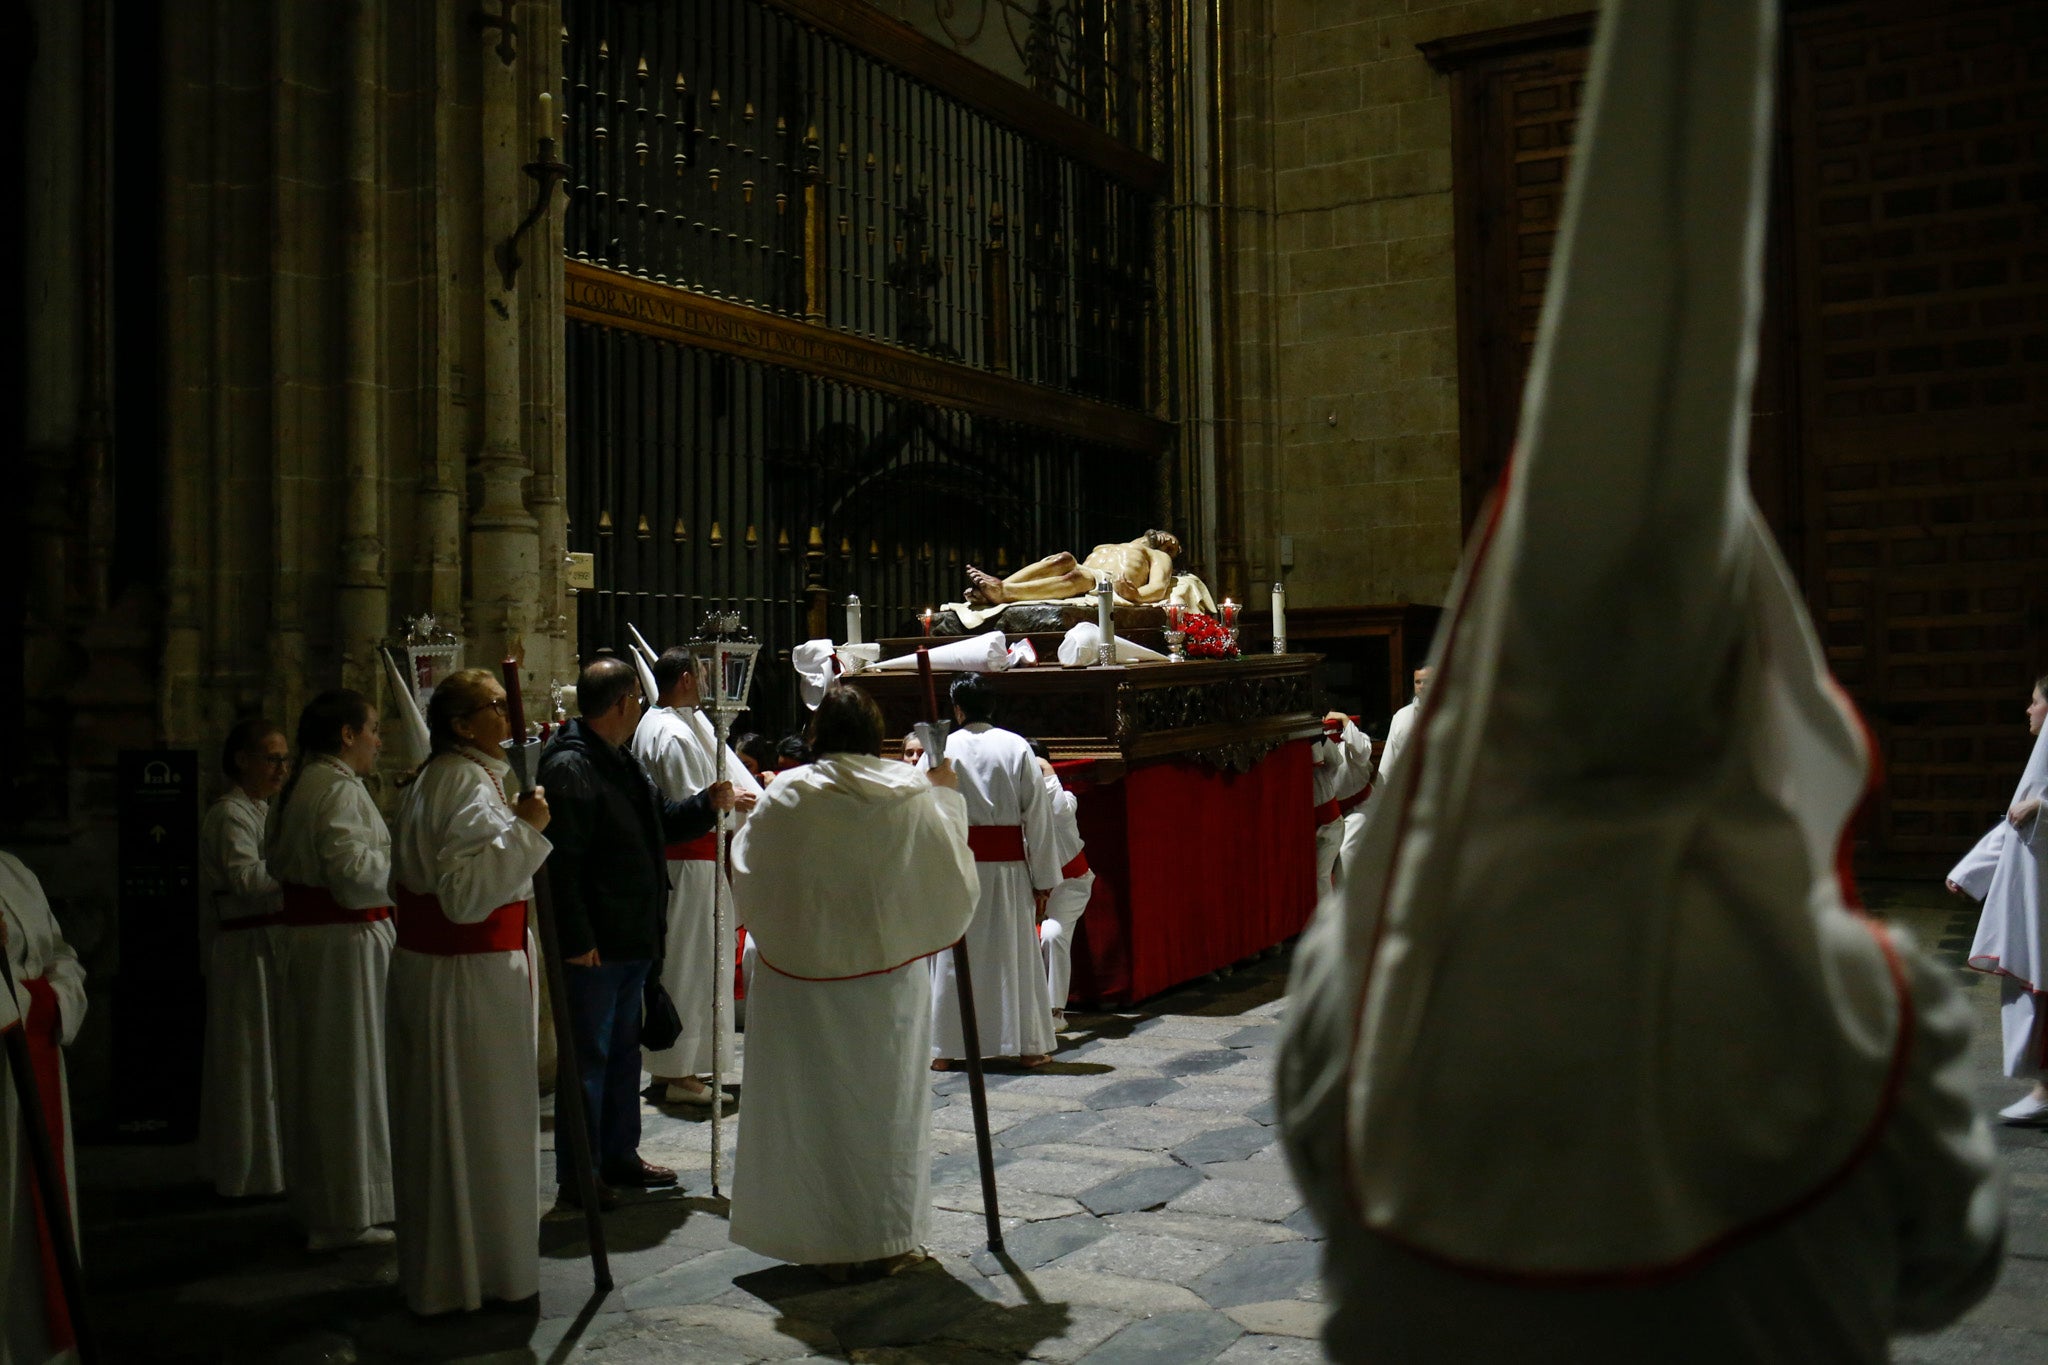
x=238 y=1088
x=850 y=873
x=1342 y=768
x=680 y=750
x=1591 y=1015
x=35 y=948
x=1000 y=782
x=332 y=1107
x=2005 y=871
x=988 y=652
x=465 y=1114
x=1069 y=900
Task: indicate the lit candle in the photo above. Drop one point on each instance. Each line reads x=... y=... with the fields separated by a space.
x=1279 y=618
x=1229 y=614
x=927 y=619
x=852 y=619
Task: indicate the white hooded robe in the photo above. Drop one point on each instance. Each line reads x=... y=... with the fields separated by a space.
x=238 y=1124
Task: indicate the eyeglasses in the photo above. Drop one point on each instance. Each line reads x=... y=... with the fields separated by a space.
x=498 y=705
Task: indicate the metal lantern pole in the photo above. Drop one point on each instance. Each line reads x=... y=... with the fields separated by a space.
x=721 y=974
x=724 y=655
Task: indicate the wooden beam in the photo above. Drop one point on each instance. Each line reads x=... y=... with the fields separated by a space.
x=862 y=25
x=593 y=294
x=1466 y=49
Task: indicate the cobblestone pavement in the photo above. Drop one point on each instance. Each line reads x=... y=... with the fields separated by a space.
x=1147 y=1211
x=1147 y=1214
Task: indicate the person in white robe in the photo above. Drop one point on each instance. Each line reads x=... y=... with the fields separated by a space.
x=465 y=1113
x=1399 y=727
x=1011 y=833
x=331 y=854
x=679 y=749
x=2005 y=871
x=240 y=909
x=48 y=1005
x=1592 y=1057
x=851 y=873
x=1342 y=775
x=1069 y=900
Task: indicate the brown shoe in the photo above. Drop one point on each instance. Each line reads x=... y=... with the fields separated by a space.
x=634 y=1173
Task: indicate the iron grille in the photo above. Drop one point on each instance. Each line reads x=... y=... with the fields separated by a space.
x=723 y=146
x=703 y=479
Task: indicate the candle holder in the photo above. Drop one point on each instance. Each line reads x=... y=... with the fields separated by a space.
x=926 y=618
x=1176 y=646
x=549 y=170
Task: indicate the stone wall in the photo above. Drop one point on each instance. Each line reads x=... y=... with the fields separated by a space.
x=1349 y=344
x=360 y=412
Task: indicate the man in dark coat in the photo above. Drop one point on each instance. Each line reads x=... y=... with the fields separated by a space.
x=609 y=827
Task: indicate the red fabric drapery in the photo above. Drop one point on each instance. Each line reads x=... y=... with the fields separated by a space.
x=1195 y=869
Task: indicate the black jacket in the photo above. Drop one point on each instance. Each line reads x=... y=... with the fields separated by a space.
x=609 y=824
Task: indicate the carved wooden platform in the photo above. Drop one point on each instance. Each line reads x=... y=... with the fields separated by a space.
x=1225 y=713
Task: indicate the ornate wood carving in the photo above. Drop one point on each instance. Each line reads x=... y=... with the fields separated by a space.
x=593 y=294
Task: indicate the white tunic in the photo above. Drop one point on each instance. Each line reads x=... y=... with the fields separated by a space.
x=1000 y=782
x=680 y=750
x=2005 y=871
x=851 y=872
x=1069 y=900
x=238 y=1090
x=35 y=948
x=1342 y=769
x=331 y=1088
x=465 y=1114
x=1601 y=1015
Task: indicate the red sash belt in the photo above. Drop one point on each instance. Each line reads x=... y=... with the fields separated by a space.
x=1328 y=813
x=253 y=921
x=702 y=849
x=44 y=1031
x=1076 y=865
x=424 y=929
x=305 y=906
x=996 y=843
x=1353 y=802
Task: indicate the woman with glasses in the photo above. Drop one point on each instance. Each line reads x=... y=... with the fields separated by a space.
x=465 y=1116
x=331 y=855
x=239 y=909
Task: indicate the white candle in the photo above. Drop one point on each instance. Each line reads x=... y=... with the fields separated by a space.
x=547 y=107
x=1104 y=596
x=852 y=619
x=1279 y=618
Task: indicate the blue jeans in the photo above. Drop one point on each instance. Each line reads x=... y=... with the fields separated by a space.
x=604 y=1013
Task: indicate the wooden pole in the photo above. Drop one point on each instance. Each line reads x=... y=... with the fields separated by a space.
x=970 y=1024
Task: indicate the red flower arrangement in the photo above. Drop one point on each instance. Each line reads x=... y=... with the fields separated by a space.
x=1206 y=637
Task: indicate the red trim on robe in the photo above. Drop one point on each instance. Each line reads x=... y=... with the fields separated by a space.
x=424 y=928
x=1076 y=866
x=702 y=849
x=1329 y=813
x=44 y=1031
x=311 y=906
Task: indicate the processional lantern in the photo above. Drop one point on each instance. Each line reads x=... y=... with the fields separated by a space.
x=724 y=654
x=432 y=652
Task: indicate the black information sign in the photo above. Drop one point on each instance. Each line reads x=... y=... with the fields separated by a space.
x=159 y=995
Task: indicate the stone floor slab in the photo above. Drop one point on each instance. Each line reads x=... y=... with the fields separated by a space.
x=1260 y=1274
x=1037 y=1244
x=1148 y=1187
x=1183 y=1338
x=1225 y=1144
